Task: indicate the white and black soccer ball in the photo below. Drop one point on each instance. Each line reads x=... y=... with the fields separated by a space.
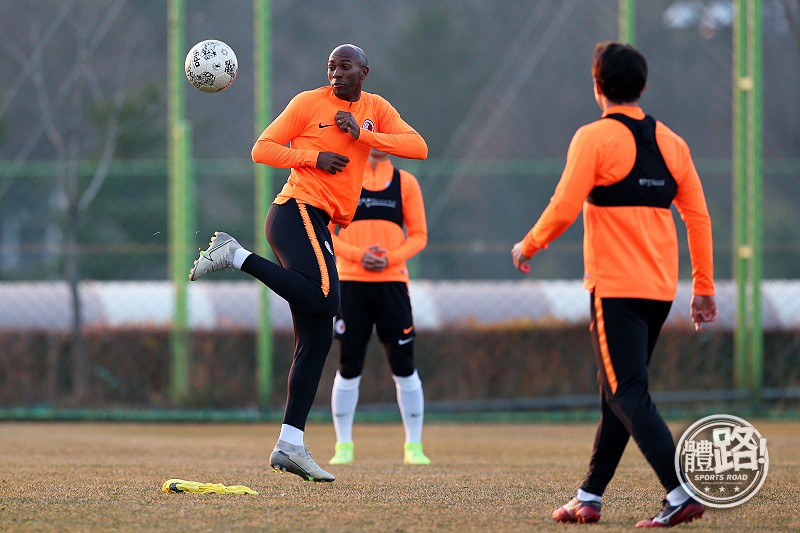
x=211 y=66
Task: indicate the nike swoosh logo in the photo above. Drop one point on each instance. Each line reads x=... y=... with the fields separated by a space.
x=408 y=330
x=664 y=519
x=207 y=253
x=321 y=125
x=404 y=341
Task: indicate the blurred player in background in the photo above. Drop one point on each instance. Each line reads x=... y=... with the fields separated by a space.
x=371 y=257
x=625 y=171
x=330 y=132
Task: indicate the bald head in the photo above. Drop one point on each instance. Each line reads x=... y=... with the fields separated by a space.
x=352 y=51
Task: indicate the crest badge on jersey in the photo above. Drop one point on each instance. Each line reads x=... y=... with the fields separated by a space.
x=368 y=125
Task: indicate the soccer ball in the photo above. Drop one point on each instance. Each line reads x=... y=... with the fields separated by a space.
x=211 y=66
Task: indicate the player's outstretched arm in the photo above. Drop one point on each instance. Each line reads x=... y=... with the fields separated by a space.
x=270 y=148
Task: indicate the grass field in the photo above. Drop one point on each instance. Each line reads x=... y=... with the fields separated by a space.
x=484 y=477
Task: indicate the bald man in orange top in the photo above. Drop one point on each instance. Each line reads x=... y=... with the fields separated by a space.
x=624 y=172
x=389 y=228
x=329 y=132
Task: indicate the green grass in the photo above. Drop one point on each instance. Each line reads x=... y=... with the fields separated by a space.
x=485 y=477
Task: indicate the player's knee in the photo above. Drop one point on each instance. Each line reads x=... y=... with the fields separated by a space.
x=403 y=369
x=401 y=358
x=349 y=371
x=351 y=356
x=628 y=406
x=329 y=306
x=342 y=382
x=407 y=383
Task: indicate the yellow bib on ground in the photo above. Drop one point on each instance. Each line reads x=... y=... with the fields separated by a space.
x=180 y=485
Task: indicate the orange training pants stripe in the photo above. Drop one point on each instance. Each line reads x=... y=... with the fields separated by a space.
x=611 y=376
x=323 y=268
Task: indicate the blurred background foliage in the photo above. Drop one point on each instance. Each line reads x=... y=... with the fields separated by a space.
x=496 y=88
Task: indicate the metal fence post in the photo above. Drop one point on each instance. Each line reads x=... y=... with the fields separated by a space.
x=262 y=93
x=179 y=154
x=627 y=21
x=748 y=334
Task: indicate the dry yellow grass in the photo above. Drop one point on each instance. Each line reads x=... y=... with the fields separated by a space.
x=484 y=477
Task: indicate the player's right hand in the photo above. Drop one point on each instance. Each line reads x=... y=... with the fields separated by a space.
x=519 y=259
x=347 y=123
x=332 y=162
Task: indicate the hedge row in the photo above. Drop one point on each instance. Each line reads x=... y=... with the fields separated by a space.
x=130 y=368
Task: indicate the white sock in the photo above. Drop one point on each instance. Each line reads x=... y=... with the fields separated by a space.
x=239 y=257
x=588 y=496
x=412 y=405
x=291 y=434
x=344 y=398
x=677 y=496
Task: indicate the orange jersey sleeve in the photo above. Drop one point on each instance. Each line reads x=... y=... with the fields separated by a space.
x=620 y=259
x=351 y=243
x=691 y=205
x=306 y=125
x=565 y=205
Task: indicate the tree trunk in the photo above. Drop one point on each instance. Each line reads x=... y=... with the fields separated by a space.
x=78 y=349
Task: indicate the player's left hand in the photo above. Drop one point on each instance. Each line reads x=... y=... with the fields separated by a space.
x=347 y=123
x=703 y=309
x=373 y=258
x=519 y=259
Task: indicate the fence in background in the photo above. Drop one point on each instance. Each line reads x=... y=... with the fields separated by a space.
x=85 y=216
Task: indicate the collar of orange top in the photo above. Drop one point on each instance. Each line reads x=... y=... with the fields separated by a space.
x=633 y=111
x=344 y=104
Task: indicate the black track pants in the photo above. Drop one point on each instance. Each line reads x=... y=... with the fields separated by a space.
x=624 y=334
x=306 y=277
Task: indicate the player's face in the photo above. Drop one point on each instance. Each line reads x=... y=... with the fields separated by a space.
x=345 y=74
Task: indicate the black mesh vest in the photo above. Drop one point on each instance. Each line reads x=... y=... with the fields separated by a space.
x=650 y=183
x=382 y=205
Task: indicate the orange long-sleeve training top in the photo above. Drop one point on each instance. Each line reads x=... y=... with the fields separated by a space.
x=629 y=252
x=307 y=124
x=351 y=243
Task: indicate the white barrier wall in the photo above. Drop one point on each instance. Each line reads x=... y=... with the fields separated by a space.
x=46 y=305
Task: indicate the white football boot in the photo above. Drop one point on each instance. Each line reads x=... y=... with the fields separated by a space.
x=296 y=460
x=218 y=256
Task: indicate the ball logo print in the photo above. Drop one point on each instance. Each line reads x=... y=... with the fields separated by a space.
x=211 y=66
x=722 y=460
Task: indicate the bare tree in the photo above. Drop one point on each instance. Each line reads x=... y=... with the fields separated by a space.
x=64 y=106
